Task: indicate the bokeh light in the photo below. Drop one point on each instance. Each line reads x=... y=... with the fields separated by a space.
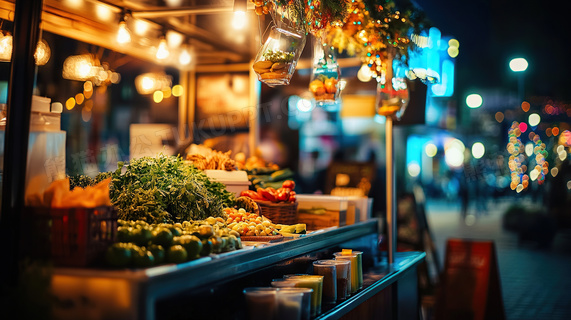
x=518 y=64
x=474 y=100
x=522 y=127
x=454 y=153
x=79 y=98
x=158 y=96
x=478 y=150
x=529 y=149
x=70 y=103
x=525 y=106
x=555 y=131
x=454 y=157
x=85 y=115
x=413 y=169
x=430 y=149
x=534 y=119
x=177 y=90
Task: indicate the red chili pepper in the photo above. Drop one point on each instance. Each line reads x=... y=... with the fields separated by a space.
x=268 y=194
x=251 y=194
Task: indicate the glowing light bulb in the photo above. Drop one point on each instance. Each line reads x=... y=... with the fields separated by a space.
x=163 y=50
x=141 y=27
x=123 y=35
x=364 y=73
x=184 y=58
x=148 y=83
x=5 y=47
x=43 y=53
x=239 y=21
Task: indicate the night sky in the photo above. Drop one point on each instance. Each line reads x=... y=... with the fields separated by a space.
x=491 y=32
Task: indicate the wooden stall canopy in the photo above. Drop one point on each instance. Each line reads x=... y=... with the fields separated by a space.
x=204 y=25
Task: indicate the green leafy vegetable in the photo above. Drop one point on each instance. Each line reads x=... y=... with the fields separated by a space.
x=81 y=181
x=165 y=189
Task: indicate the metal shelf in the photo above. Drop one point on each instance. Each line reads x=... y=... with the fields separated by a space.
x=145 y=286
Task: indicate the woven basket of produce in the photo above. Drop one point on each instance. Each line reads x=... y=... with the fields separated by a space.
x=279 y=212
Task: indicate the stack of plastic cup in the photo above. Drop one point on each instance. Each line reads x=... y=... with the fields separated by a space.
x=305 y=306
x=356 y=272
x=329 y=273
x=343 y=268
x=360 y=266
x=261 y=302
x=290 y=304
x=314 y=282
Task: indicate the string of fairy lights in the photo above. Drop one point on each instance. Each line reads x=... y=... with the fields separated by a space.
x=529 y=162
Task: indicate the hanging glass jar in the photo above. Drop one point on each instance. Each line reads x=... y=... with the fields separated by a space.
x=276 y=60
x=324 y=84
x=392 y=90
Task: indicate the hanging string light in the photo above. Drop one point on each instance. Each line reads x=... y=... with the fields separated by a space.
x=186 y=56
x=41 y=55
x=162 y=50
x=123 y=34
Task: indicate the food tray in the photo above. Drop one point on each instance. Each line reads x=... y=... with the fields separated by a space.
x=262 y=238
x=279 y=212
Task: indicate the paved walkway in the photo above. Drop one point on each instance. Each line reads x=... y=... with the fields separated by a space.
x=536 y=283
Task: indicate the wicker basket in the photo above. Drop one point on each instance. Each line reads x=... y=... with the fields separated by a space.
x=279 y=212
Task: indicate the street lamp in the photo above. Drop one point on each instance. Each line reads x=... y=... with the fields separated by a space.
x=519 y=65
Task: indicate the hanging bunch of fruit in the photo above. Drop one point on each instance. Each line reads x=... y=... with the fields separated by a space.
x=262 y=7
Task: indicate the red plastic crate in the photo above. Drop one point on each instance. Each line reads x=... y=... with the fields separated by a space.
x=70 y=237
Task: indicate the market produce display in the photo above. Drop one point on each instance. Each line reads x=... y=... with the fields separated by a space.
x=283 y=194
x=205 y=158
x=252 y=224
x=163 y=189
x=264 y=177
x=254 y=163
x=143 y=245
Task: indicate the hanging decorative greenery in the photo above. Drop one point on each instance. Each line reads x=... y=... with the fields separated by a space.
x=313 y=16
x=370 y=29
x=373 y=29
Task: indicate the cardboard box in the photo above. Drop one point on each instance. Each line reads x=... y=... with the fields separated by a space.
x=321 y=211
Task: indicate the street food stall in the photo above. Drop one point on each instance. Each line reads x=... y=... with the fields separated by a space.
x=143 y=219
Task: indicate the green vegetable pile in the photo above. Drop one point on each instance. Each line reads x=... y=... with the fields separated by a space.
x=162 y=189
